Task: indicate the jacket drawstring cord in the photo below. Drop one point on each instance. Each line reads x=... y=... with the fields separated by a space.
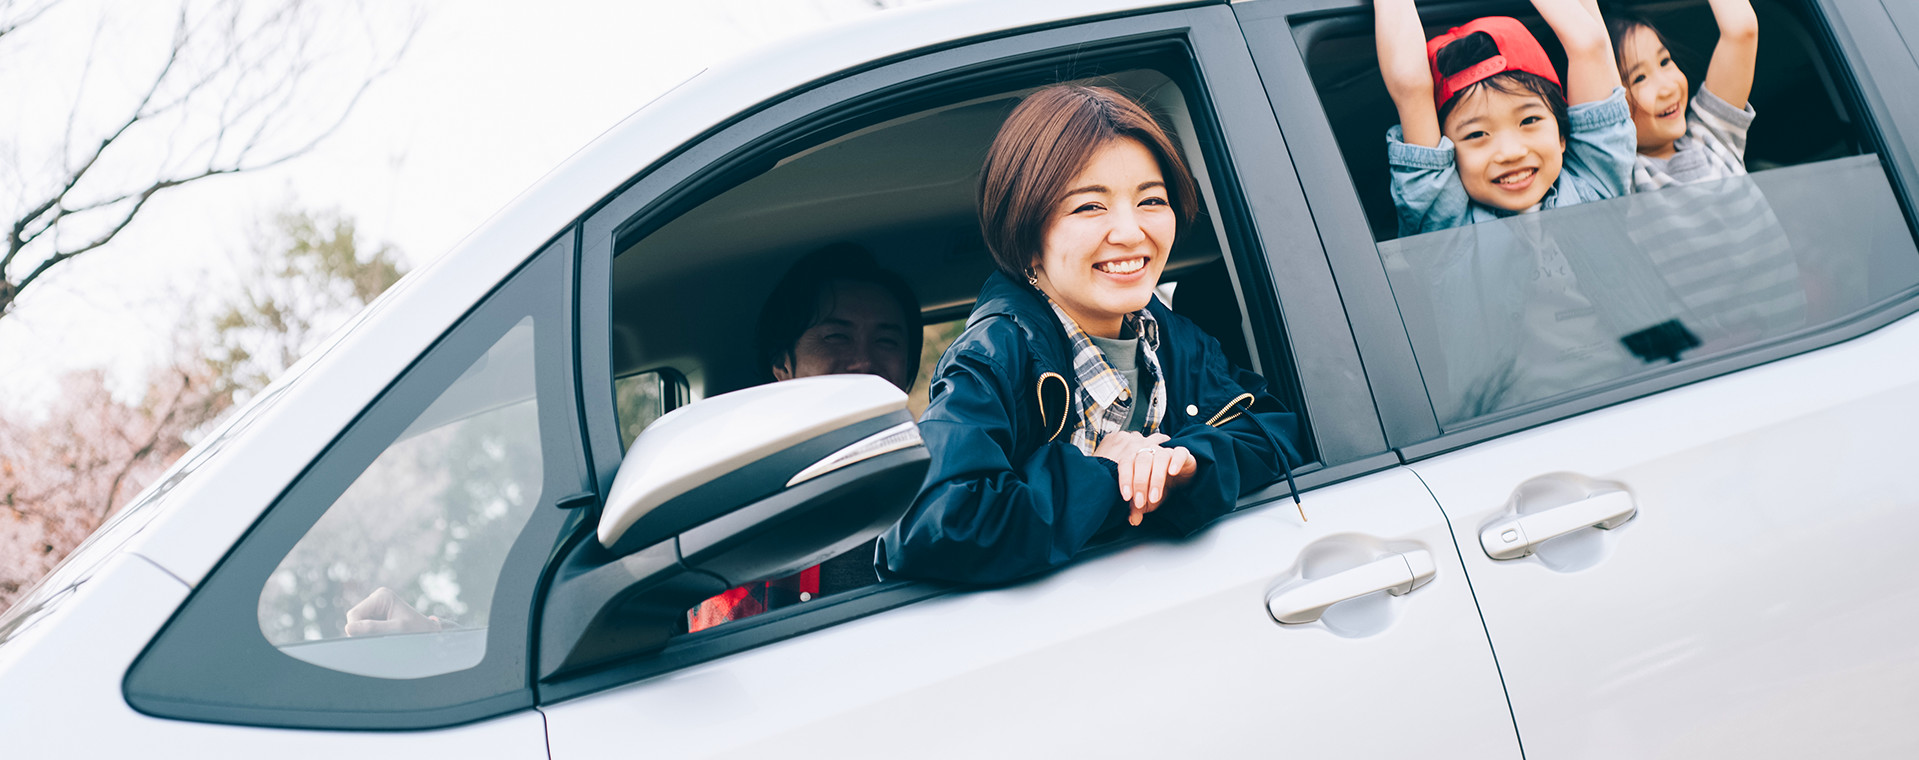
x=1284 y=461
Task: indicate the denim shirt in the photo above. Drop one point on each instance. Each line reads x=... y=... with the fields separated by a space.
x=1598 y=165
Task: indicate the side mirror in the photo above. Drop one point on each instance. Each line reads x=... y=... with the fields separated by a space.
x=741 y=487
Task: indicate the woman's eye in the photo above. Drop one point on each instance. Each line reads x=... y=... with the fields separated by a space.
x=1637 y=78
x=1474 y=135
x=1088 y=207
x=1155 y=201
x=1663 y=62
x=1531 y=120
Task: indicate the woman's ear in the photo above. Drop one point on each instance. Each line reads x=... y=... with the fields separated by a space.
x=783 y=372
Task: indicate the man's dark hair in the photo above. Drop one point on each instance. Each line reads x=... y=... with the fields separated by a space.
x=1467 y=51
x=796 y=304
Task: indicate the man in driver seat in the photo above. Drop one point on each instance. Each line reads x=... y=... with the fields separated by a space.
x=835 y=312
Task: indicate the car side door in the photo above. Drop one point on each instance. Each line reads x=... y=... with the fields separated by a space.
x=1694 y=557
x=1144 y=648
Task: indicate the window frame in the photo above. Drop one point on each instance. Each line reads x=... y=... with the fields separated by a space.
x=252 y=682
x=1405 y=409
x=1236 y=131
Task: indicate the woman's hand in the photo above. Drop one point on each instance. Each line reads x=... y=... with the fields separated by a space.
x=1147 y=470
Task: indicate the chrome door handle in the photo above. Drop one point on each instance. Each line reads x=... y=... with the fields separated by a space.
x=1397 y=574
x=1516 y=538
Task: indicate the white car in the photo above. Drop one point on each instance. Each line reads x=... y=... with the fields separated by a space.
x=1625 y=479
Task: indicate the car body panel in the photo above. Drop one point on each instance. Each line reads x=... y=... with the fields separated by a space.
x=1754 y=607
x=81 y=651
x=1158 y=649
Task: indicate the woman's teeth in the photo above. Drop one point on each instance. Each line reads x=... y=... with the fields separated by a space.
x=1127 y=266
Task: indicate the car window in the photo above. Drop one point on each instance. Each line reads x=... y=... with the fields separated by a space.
x=936 y=337
x=392 y=584
x=418 y=540
x=1803 y=114
x=1508 y=313
x=643 y=397
x=1504 y=316
x=687 y=285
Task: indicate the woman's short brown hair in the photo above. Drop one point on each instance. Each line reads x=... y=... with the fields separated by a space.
x=1048 y=140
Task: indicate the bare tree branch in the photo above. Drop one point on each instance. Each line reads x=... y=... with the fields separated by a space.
x=15 y=240
x=8 y=25
x=140 y=200
x=237 y=80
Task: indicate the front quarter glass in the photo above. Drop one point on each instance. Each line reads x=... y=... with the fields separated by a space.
x=431 y=519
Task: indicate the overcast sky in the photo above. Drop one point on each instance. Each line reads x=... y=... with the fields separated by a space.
x=489 y=97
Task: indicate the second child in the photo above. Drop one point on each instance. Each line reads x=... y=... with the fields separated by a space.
x=1686 y=138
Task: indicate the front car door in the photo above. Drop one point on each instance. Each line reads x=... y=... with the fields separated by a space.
x=1148 y=648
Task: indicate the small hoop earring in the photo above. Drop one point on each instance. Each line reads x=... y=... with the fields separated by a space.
x=1032 y=278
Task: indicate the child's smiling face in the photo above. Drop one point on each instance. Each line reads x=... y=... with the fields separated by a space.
x=1656 y=89
x=1507 y=147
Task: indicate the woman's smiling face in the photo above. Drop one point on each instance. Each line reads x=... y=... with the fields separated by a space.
x=1107 y=239
x=1506 y=145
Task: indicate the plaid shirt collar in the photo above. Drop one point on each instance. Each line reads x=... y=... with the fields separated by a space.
x=1103 y=405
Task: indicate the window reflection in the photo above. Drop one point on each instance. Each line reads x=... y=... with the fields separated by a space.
x=431 y=519
x=1506 y=313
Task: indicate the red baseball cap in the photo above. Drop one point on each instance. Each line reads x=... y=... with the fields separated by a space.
x=1518 y=51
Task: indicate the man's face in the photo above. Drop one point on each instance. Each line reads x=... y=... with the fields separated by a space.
x=861 y=331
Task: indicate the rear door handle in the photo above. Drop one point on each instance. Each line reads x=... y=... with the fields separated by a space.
x=1516 y=538
x=1396 y=574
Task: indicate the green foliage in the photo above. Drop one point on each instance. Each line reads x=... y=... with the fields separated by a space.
x=310 y=277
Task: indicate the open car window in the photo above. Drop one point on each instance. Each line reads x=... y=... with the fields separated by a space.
x=687 y=287
x=1509 y=316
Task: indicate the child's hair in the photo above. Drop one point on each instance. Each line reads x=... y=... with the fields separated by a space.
x=1465 y=52
x=1621 y=26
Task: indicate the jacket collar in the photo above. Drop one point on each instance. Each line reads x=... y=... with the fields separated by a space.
x=1005 y=296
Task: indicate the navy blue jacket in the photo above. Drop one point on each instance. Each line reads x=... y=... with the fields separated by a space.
x=1008 y=495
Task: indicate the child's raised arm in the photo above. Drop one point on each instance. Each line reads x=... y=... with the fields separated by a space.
x=1402 y=62
x=1591 y=72
x=1729 y=75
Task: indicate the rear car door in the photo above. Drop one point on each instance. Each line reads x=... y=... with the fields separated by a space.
x=1148 y=648
x=1690 y=548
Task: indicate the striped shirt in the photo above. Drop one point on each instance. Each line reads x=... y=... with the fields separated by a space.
x=1711 y=233
x=1714 y=146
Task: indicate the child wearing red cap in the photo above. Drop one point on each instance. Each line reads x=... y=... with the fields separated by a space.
x=1486 y=130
